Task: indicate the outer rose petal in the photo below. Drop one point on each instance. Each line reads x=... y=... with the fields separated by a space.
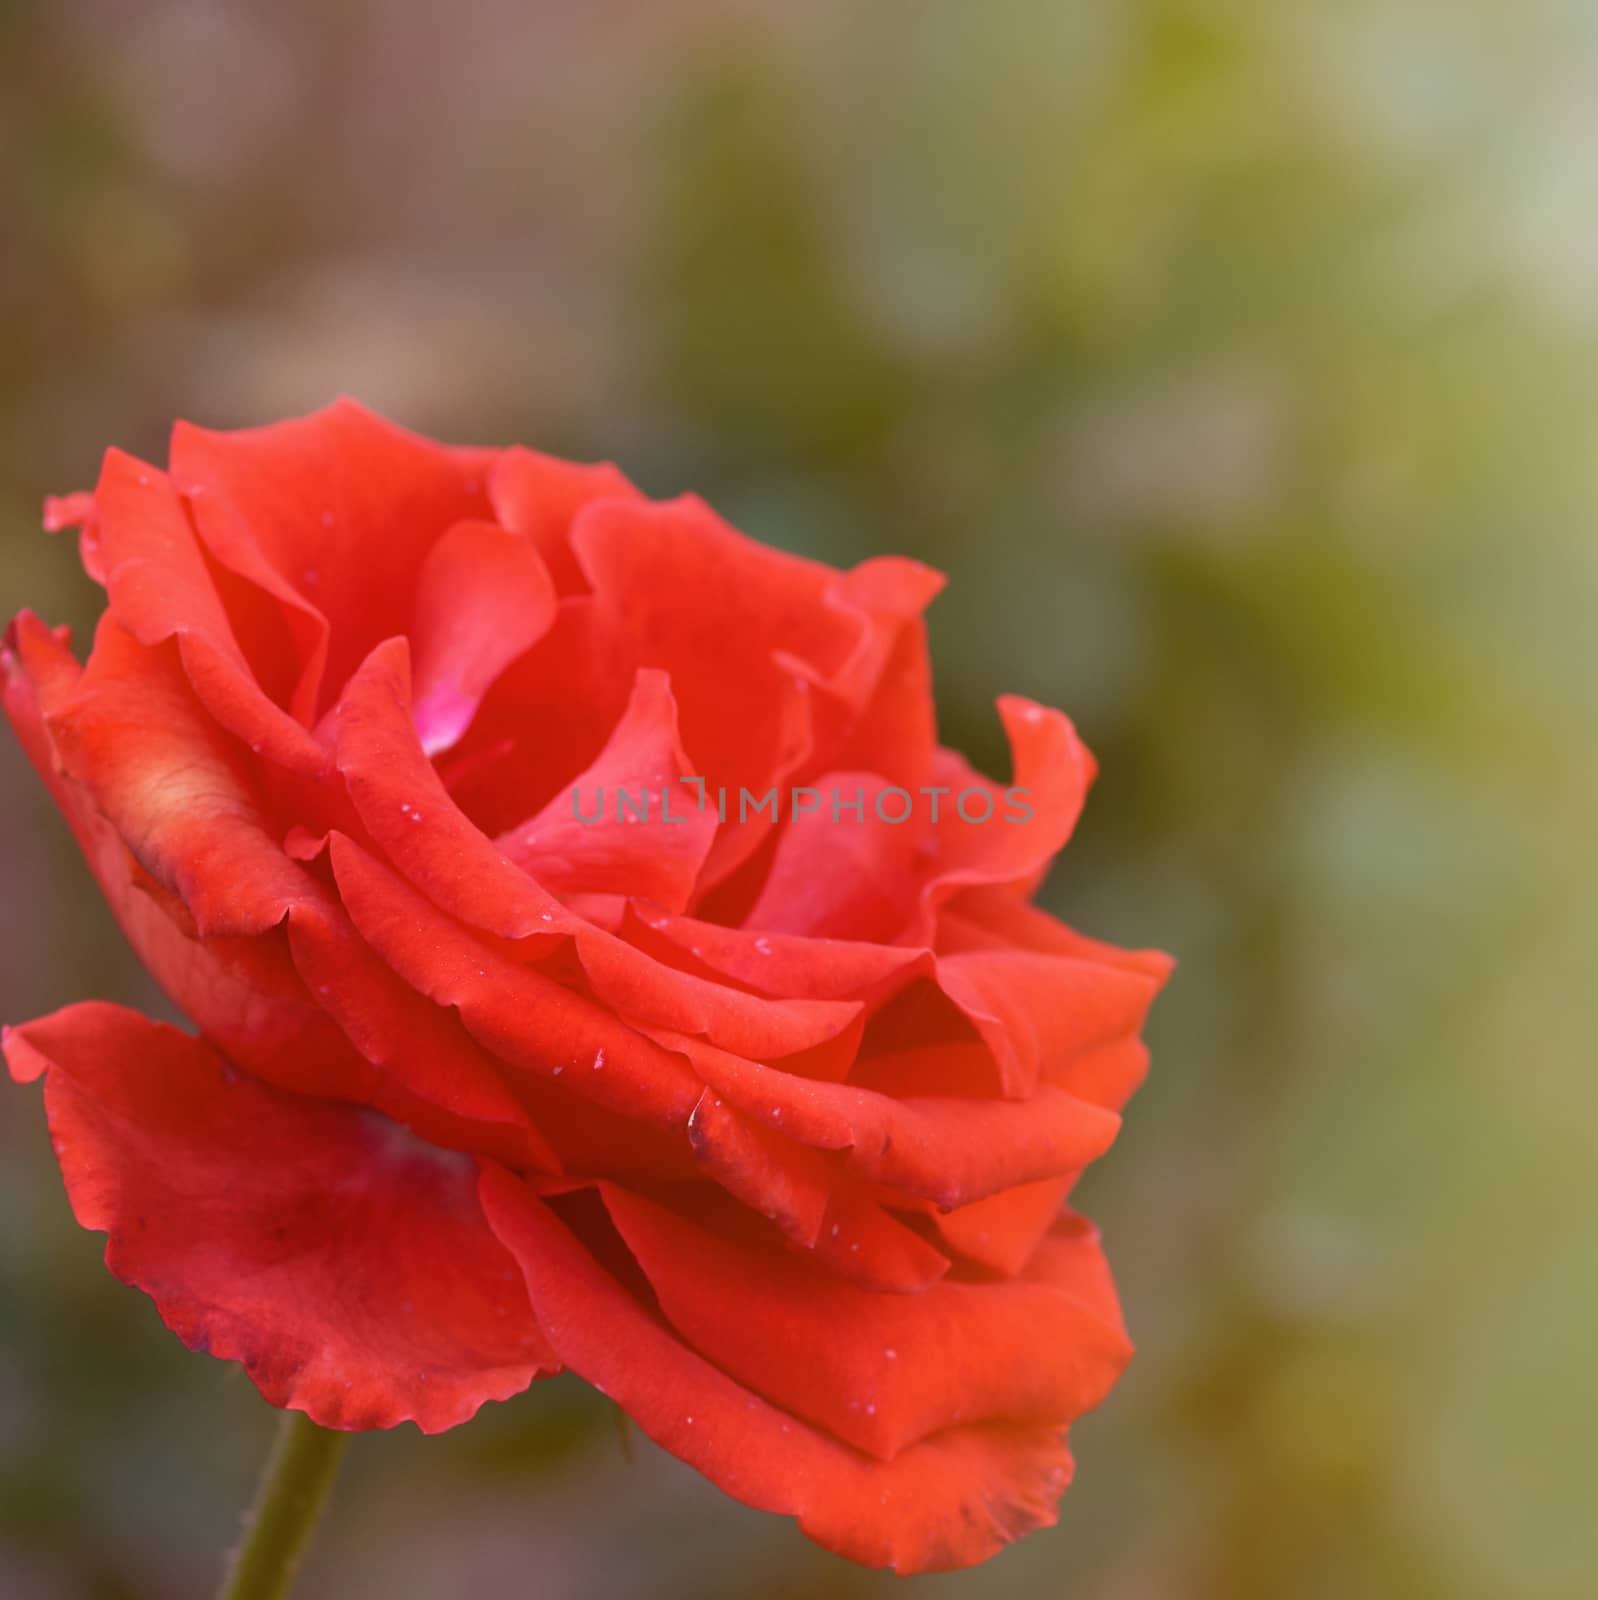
x=1108 y=1076
x=1036 y=1010
x=998 y=919
x=67 y=510
x=662 y=575
x=884 y=1370
x=160 y=588
x=894 y=731
x=1052 y=766
x=539 y=496
x=171 y=783
x=951 y=1501
x=39 y=672
x=347 y=1265
x=246 y=994
x=336 y=510
x=874 y=712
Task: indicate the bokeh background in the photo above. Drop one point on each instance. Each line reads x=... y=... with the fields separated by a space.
x=1238 y=359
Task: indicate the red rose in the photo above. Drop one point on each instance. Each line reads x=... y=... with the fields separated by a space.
x=761 y=1124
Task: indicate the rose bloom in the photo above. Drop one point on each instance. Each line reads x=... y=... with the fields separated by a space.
x=762 y=1126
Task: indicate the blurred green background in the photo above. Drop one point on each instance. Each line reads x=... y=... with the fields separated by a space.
x=1239 y=362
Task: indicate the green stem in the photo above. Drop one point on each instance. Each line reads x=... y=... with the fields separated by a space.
x=294 y=1489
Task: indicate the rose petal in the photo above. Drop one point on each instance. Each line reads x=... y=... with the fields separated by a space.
x=334 y=513
x=781 y=963
x=483 y=598
x=951 y=1501
x=1007 y=840
x=246 y=987
x=344 y=1263
x=884 y=1370
x=1034 y=1010
x=1004 y=1230
x=403 y=804
x=627 y=826
x=822 y=1208
x=63 y=511
x=892 y=730
x=663 y=576
x=546 y=718
x=996 y=918
x=826 y=1031
x=39 y=673
x=1108 y=1076
x=160 y=588
x=521 y=1016
x=173 y=785
x=948 y=1149
x=843 y=870
x=539 y=496
x=76 y=510
x=413 y=1042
